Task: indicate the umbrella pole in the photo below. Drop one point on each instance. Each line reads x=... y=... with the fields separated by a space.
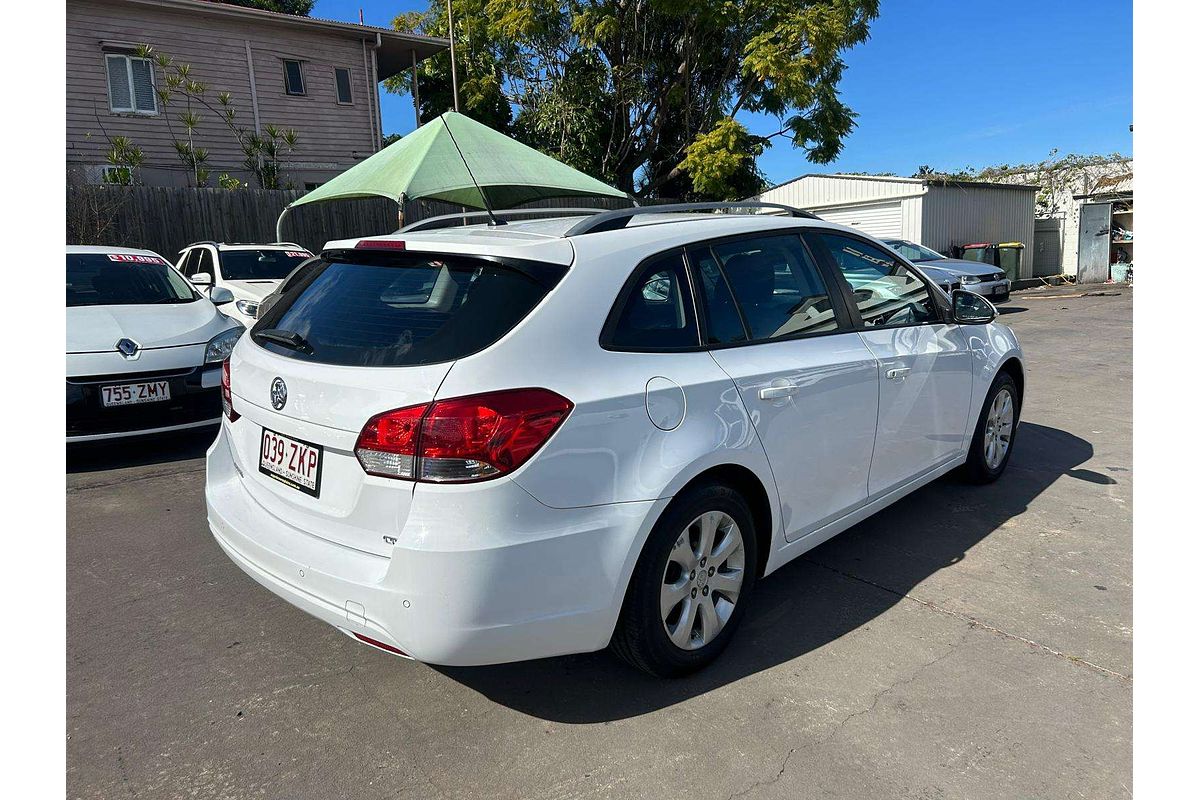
x=279 y=224
x=453 y=68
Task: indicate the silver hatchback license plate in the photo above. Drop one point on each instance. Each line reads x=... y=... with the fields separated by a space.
x=290 y=461
x=128 y=394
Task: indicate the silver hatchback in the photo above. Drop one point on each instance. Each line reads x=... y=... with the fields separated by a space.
x=955 y=273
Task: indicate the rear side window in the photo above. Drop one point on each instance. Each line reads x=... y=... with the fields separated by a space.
x=777 y=286
x=400 y=310
x=886 y=291
x=655 y=311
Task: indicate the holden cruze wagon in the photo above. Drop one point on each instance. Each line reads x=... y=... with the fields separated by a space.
x=486 y=443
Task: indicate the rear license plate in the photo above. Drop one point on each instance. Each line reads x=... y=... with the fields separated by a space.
x=291 y=461
x=128 y=394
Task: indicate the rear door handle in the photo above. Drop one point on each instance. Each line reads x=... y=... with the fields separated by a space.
x=898 y=373
x=776 y=392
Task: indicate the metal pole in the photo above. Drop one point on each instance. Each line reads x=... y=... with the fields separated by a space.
x=416 y=90
x=453 y=68
x=279 y=224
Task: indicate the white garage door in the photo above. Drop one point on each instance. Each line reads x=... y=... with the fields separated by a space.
x=881 y=219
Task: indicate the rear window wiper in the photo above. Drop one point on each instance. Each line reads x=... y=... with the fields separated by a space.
x=288 y=339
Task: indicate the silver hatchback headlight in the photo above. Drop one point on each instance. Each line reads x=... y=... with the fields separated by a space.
x=221 y=345
x=971 y=280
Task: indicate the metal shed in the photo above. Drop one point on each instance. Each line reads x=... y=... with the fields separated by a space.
x=936 y=213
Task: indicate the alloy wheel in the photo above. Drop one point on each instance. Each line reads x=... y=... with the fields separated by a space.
x=998 y=430
x=702 y=580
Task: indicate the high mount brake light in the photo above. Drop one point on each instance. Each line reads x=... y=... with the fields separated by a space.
x=379 y=244
x=462 y=439
x=227 y=393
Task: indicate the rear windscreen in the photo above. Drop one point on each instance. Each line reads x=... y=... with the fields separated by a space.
x=400 y=310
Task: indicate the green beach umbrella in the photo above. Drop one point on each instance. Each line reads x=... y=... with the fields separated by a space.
x=427 y=164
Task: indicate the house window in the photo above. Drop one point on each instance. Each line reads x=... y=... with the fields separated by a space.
x=342 y=79
x=131 y=84
x=293 y=77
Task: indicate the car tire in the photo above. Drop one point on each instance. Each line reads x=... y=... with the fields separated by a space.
x=643 y=635
x=985 y=464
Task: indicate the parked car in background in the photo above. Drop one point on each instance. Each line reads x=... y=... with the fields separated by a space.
x=954 y=273
x=249 y=271
x=486 y=444
x=144 y=349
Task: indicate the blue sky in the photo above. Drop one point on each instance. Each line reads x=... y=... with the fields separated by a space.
x=950 y=83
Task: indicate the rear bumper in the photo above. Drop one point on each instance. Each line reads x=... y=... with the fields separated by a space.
x=480 y=574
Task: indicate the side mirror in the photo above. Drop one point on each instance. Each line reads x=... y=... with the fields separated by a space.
x=202 y=279
x=220 y=296
x=971 y=309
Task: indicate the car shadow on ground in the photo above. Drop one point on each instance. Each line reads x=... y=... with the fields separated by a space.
x=814 y=600
x=1010 y=309
x=139 y=451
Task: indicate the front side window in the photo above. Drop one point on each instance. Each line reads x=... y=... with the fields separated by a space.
x=777 y=286
x=260 y=265
x=131 y=84
x=101 y=279
x=191 y=263
x=886 y=291
x=204 y=263
x=656 y=310
x=341 y=77
x=293 y=77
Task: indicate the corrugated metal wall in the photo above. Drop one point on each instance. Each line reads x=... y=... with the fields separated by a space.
x=935 y=216
x=958 y=215
x=812 y=191
x=884 y=220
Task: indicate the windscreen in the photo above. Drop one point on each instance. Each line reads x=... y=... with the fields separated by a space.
x=914 y=252
x=120 y=279
x=399 y=310
x=260 y=265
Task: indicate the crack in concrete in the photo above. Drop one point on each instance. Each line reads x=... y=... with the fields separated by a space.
x=760 y=784
x=837 y=728
x=977 y=623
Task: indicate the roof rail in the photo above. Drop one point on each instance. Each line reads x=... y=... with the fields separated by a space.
x=451 y=220
x=205 y=241
x=290 y=244
x=615 y=220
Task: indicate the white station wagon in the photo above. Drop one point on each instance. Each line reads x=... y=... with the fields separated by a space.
x=487 y=443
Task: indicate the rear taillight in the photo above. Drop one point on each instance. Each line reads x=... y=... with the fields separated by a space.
x=387 y=445
x=462 y=439
x=227 y=393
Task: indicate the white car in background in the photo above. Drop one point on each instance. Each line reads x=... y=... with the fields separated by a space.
x=144 y=349
x=249 y=271
x=481 y=444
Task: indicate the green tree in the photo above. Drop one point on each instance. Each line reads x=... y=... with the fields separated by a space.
x=646 y=94
x=299 y=8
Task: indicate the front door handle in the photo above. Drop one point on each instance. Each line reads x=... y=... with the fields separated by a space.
x=776 y=392
x=898 y=373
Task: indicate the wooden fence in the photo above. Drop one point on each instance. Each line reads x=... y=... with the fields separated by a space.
x=166 y=219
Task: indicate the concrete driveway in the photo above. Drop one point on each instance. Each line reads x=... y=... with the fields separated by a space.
x=967 y=642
